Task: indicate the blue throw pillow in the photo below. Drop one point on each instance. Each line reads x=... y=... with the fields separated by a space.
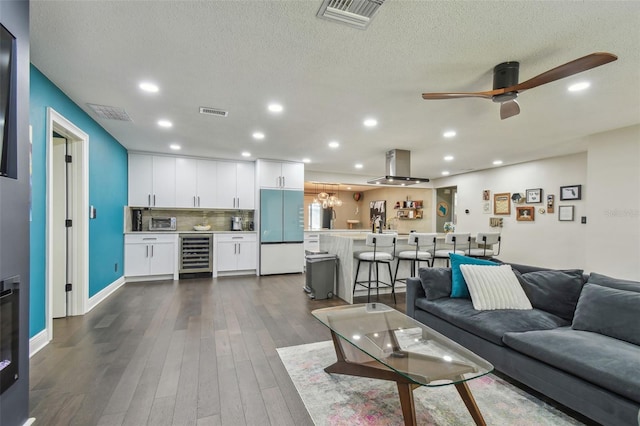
x=458 y=284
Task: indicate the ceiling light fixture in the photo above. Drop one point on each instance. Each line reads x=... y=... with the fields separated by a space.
x=497 y=162
x=175 y=146
x=275 y=108
x=149 y=87
x=258 y=135
x=306 y=160
x=246 y=154
x=448 y=158
x=445 y=173
x=334 y=144
x=165 y=123
x=358 y=165
x=579 y=86
x=370 y=122
x=449 y=133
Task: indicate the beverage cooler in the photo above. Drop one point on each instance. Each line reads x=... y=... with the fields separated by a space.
x=281 y=231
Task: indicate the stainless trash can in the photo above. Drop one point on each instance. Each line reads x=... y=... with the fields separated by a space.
x=321 y=275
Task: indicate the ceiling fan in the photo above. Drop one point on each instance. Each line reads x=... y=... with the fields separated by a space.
x=506 y=86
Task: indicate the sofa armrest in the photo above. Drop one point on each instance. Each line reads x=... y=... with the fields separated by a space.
x=414 y=291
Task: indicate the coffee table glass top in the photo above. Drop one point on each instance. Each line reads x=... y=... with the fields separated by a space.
x=402 y=344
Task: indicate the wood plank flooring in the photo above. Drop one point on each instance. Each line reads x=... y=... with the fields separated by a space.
x=189 y=352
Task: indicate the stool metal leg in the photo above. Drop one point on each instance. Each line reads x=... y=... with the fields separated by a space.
x=369 y=283
x=393 y=284
x=355 y=281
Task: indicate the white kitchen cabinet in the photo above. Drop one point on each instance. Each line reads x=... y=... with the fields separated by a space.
x=195 y=183
x=274 y=174
x=152 y=181
x=235 y=185
x=236 y=252
x=150 y=254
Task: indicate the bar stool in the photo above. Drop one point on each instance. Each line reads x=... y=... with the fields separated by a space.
x=425 y=248
x=458 y=240
x=485 y=241
x=376 y=257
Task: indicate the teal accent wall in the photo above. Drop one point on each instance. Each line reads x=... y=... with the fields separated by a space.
x=107 y=193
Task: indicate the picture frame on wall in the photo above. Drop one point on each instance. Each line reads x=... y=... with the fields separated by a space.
x=550 y=203
x=502 y=203
x=534 y=196
x=571 y=192
x=565 y=213
x=526 y=214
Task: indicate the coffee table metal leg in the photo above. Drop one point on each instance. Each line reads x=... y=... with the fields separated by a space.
x=466 y=396
x=406 y=402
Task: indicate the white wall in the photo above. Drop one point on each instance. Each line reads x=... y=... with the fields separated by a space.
x=545 y=241
x=613 y=232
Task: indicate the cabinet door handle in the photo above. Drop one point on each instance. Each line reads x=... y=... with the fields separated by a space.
x=194 y=201
x=198 y=201
x=154 y=199
x=147 y=255
x=238 y=248
x=284 y=182
x=151 y=251
x=149 y=200
x=235 y=248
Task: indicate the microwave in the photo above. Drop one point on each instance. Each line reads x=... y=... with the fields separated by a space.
x=162 y=224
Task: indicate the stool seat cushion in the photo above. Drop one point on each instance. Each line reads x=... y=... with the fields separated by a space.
x=377 y=256
x=411 y=255
x=445 y=253
x=479 y=252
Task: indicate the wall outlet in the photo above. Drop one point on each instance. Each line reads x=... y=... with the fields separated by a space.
x=583 y=219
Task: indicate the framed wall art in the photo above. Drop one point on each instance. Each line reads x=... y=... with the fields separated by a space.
x=565 y=213
x=571 y=192
x=525 y=213
x=550 y=203
x=502 y=203
x=534 y=196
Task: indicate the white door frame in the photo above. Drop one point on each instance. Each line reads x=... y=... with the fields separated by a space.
x=79 y=143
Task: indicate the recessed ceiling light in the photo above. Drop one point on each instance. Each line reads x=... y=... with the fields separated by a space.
x=370 y=122
x=258 y=135
x=165 y=123
x=175 y=146
x=306 y=160
x=579 y=86
x=334 y=144
x=448 y=157
x=497 y=162
x=348 y=188
x=149 y=87
x=246 y=154
x=449 y=133
x=275 y=108
x=445 y=173
x=358 y=166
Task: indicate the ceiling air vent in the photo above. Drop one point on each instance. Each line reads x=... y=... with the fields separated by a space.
x=355 y=13
x=214 y=111
x=110 y=112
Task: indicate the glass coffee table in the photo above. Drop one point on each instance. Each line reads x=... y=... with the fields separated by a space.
x=376 y=341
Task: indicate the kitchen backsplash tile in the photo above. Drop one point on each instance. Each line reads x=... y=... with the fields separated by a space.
x=220 y=220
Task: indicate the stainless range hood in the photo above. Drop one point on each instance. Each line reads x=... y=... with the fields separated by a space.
x=398 y=168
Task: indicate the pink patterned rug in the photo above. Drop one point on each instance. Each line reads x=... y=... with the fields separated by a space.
x=334 y=399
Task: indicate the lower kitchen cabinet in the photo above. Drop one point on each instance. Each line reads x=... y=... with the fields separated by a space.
x=236 y=252
x=150 y=254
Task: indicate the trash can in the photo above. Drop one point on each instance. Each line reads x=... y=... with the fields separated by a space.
x=321 y=275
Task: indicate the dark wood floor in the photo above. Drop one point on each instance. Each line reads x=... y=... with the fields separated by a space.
x=189 y=352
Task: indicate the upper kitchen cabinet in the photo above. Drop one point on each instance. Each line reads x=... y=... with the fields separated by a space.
x=235 y=185
x=273 y=174
x=152 y=181
x=196 y=183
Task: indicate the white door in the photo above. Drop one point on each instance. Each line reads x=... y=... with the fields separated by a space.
x=162 y=258
x=293 y=174
x=245 y=187
x=164 y=182
x=136 y=260
x=59 y=210
x=186 y=182
x=247 y=255
x=270 y=174
x=140 y=180
x=207 y=186
x=226 y=254
x=226 y=185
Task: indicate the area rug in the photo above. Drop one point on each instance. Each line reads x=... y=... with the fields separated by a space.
x=335 y=399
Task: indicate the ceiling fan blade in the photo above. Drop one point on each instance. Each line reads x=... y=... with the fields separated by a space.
x=430 y=96
x=509 y=109
x=570 y=68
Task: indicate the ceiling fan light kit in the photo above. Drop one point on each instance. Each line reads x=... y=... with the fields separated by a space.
x=506 y=86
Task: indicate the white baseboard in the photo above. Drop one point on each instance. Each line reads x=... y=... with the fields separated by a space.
x=38 y=342
x=104 y=293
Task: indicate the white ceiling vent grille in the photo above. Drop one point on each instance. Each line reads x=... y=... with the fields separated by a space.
x=355 y=13
x=110 y=112
x=214 y=111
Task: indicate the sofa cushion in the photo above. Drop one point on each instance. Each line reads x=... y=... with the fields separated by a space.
x=458 y=285
x=601 y=360
x=609 y=311
x=490 y=325
x=553 y=291
x=603 y=280
x=436 y=282
x=494 y=287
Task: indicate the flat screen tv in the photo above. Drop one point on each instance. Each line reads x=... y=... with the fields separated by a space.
x=7 y=104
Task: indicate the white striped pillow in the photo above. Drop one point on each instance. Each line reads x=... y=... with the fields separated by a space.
x=494 y=287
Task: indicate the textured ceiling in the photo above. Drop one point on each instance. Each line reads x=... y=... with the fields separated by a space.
x=241 y=55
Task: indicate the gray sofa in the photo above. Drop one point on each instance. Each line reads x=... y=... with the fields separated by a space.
x=580 y=345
